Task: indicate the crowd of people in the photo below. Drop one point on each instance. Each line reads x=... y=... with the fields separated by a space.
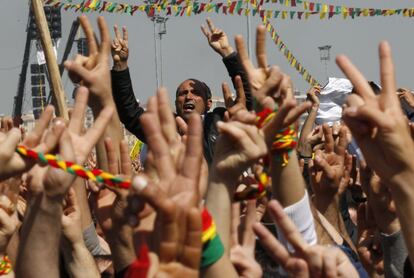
x=240 y=190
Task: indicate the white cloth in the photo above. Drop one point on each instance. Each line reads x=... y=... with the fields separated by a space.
x=331 y=98
x=301 y=215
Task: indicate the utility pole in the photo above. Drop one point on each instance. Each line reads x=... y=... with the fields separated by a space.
x=325 y=57
x=159 y=29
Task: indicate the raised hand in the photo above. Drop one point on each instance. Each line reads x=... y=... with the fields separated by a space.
x=377 y=122
x=179 y=250
x=257 y=76
x=11 y=163
x=242 y=252
x=120 y=50
x=307 y=261
x=217 y=39
x=85 y=141
x=406 y=95
x=327 y=169
x=71 y=219
x=277 y=91
x=369 y=244
x=239 y=146
x=178 y=165
x=93 y=71
x=313 y=95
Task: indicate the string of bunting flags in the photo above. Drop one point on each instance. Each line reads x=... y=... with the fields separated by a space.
x=191 y=7
x=174 y=9
x=293 y=62
x=331 y=10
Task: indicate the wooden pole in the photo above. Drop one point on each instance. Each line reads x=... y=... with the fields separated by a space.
x=51 y=61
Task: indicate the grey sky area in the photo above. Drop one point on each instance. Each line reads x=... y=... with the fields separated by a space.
x=186 y=52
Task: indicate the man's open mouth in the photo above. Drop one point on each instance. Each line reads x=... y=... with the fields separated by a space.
x=188 y=107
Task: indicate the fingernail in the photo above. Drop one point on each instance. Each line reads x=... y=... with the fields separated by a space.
x=139 y=183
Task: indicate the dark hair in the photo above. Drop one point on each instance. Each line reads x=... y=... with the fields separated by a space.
x=375 y=87
x=198 y=86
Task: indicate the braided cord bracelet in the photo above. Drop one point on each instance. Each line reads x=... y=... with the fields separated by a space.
x=55 y=161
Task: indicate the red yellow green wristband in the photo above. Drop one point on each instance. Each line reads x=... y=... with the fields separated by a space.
x=5 y=266
x=213 y=248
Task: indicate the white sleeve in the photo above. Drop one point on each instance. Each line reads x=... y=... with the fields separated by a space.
x=300 y=213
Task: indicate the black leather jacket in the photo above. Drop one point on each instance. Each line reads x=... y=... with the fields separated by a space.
x=129 y=110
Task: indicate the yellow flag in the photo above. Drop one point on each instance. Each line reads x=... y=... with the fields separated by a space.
x=325 y=8
x=93 y=4
x=269 y=14
x=406 y=13
x=189 y=10
x=305 y=5
x=307 y=14
x=136 y=149
x=322 y=15
x=284 y=14
x=247 y=11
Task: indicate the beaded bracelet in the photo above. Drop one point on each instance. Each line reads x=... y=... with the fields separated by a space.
x=55 y=161
x=5 y=265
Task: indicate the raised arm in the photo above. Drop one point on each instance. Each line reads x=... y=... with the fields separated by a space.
x=219 y=42
x=128 y=108
x=382 y=133
x=304 y=143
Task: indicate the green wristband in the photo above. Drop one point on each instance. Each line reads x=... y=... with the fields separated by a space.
x=213 y=250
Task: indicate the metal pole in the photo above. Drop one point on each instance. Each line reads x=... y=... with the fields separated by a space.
x=249 y=45
x=162 y=82
x=156 y=54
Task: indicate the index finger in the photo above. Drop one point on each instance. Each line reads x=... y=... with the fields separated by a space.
x=387 y=74
x=90 y=37
x=125 y=35
x=241 y=97
x=204 y=30
x=361 y=85
x=116 y=31
x=194 y=150
x=34 y=137
x=105 y=47
x=210 y=25
x=78 y=115
x=342 y=143
x=329 y=141
x=228 y=98
x=261 y=47
x=243 y=55
x=168 y=126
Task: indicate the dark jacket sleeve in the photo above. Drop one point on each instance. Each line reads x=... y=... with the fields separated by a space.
x=234 y=68
x=127 y=106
